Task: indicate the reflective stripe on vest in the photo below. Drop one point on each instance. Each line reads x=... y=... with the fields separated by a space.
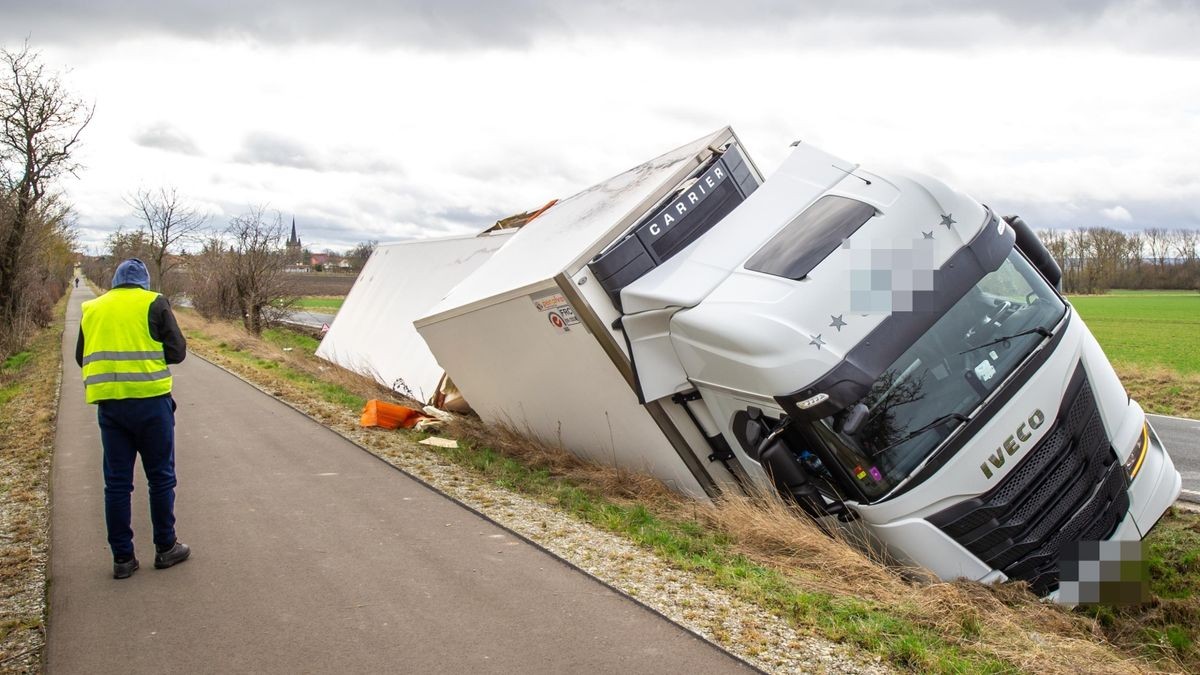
x=126 y=377
x=120 y=358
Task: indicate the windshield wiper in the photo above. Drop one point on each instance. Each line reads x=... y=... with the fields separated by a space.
x=937 y=422
x=1036 y=329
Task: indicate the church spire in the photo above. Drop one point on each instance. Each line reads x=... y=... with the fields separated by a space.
x=293 y=239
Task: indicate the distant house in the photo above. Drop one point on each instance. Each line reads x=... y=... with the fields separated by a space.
x=318 y=259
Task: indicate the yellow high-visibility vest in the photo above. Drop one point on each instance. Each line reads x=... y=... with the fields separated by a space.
x=120 y=359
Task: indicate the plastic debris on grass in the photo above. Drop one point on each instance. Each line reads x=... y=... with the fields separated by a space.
x=390 y=415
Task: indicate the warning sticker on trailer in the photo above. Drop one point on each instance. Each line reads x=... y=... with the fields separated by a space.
x=559 y=313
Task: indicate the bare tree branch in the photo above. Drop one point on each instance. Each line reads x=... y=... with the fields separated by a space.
x=40 y=127
x=169 y=223
x=257 y=266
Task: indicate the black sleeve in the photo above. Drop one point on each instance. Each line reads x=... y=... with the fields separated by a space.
x=164 y=329
x=79 y=348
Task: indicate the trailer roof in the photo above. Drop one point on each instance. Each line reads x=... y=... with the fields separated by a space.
x=570 y=233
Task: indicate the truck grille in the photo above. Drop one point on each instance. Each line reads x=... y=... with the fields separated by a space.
x=1069 y=487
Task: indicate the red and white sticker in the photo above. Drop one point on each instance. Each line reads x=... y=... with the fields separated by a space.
x=559 y=313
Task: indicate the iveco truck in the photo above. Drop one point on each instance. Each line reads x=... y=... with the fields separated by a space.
x=874 y=345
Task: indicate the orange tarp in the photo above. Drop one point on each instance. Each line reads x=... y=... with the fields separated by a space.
x=389 y=415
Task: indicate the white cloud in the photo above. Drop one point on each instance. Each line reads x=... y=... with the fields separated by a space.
x=1118 y=214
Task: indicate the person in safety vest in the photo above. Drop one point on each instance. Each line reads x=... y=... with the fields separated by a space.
x=127 y=338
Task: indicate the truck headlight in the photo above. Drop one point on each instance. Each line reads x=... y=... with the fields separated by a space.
x=1134 y=463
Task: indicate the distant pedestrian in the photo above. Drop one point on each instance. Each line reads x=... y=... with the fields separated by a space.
x=76 y=282
x=127 y=338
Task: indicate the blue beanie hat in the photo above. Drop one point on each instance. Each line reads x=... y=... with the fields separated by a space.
x=132 y=271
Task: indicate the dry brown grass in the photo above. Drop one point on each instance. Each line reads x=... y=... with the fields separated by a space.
x=1006 y=621
x=613 y=482
x=26 y=443
x=1162 y=390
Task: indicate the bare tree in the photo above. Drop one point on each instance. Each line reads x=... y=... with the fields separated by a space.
x=1158 y=245
x=47 y=264
x=41 y=127
x=1187 y=245
x=257 y=267
x=169 y=223
x=1187 y=249
x=359 y=255
x=118 y=246
x=211 y=282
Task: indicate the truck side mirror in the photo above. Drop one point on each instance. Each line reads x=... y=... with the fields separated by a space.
x=750 y=427
x=855 y=417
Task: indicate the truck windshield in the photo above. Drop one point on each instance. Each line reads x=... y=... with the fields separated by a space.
x=930 y=390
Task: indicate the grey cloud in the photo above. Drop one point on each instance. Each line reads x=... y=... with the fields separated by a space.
x=458 y=217
x=467 y=24
x=343 y=230
x=451 y=23
x=358 y=161
x=1170 y=213
x=164 y=136
x=262 y=147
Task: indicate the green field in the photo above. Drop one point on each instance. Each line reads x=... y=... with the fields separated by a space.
x=320 y=302
x=1146 y=328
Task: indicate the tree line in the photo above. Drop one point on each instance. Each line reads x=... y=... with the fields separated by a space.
x=41 y=126
x=1097 y=259
x=239 y=271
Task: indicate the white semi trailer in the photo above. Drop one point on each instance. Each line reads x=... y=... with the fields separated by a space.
x=874 y=346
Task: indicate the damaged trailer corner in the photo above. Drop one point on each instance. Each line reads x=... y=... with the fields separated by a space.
x=373 y=333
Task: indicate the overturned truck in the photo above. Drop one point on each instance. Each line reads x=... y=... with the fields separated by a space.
x=875 y=346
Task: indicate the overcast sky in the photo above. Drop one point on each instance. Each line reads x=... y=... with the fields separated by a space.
x=372 y=119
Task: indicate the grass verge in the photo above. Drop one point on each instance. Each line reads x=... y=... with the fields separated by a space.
x=758 y=550
x=28 y=408
x=1162 y=390
x=326 y=302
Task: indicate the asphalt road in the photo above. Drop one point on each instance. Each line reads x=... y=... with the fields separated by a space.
x=1182 y=440
x=310 y=555
x=310 y=319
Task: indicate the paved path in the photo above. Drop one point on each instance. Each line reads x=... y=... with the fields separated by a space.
x=310 y=319
x=1181 y=437
x=311 y=556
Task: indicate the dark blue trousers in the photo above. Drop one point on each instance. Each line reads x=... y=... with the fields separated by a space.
x=128 y=428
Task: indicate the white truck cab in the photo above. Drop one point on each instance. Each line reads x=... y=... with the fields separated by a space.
x=879 y=347
x=875 y=346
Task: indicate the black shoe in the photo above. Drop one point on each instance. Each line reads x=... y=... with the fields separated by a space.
x=172 y=556
x=124 y=570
